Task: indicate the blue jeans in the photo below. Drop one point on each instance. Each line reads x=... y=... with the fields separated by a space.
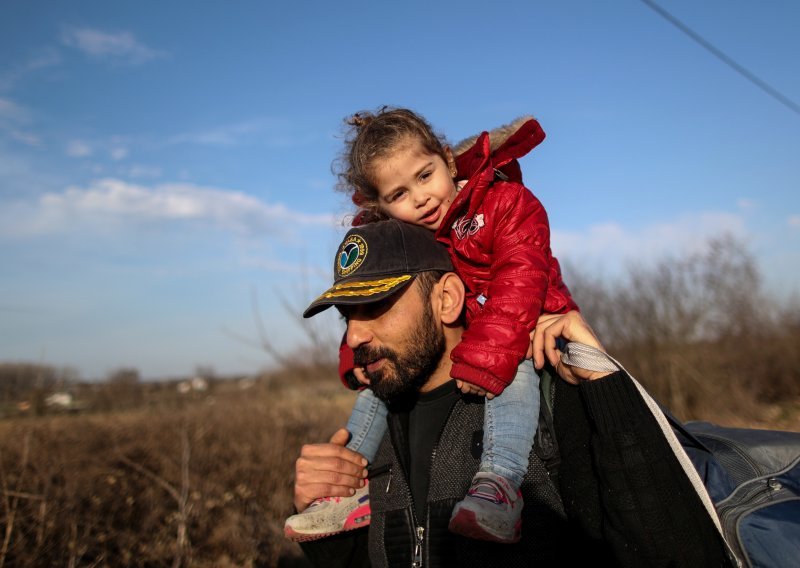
x=509 y=426
x=367 y=424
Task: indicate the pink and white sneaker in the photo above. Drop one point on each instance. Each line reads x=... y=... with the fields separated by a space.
x=491 y=510
x=330 y=515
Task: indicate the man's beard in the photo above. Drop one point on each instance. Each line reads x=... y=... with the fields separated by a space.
x=402 y=373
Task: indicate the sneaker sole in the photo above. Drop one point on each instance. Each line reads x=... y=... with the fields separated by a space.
x=359 y=518
x=465 y=523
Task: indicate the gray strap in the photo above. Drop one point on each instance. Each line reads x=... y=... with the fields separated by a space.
x=589 y=358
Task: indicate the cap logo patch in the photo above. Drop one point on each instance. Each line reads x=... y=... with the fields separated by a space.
x=351 y=255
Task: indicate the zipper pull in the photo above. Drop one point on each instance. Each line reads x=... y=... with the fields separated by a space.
x=389 y=483
x=417 y=562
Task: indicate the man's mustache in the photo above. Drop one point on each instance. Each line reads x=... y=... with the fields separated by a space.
x=364 y=355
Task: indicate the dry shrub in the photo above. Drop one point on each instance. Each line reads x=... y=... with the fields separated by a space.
x=206 y=485
x=700 y=335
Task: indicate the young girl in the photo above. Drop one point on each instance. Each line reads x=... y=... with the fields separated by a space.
x=499 y=241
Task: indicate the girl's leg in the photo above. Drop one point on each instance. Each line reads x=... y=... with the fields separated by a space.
x=493 y=506
x=367 y=424
x=509 y=426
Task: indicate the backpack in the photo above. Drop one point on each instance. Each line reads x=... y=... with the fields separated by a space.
x=753 y=479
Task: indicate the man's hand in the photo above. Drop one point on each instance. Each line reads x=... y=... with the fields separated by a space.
x=327 y=470
x=469 y=388
x=572 y=327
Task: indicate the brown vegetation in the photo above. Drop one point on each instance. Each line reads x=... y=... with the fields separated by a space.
x=205 y=484
x=702 y=336
x=144 y=476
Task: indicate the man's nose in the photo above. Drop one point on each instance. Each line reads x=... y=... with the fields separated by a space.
x=358 y=333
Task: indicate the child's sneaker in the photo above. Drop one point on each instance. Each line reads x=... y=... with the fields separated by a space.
x=330 y=515
x=490 y=511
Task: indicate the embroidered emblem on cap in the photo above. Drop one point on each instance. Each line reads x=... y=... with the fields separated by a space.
x=351 y=255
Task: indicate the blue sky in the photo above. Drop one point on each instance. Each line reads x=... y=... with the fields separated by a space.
x=160 y=162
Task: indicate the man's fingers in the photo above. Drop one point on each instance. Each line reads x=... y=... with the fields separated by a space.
x=312 y=451
x=307 y=493
x=547 y=343
x=529 y=354
x=329 y=470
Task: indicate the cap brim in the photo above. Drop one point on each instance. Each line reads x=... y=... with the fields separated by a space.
x=355 y=292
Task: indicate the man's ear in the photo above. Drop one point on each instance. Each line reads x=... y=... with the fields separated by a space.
x=451 y=162
x=451 y=298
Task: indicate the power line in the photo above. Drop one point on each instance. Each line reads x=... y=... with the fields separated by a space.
x=749 y=75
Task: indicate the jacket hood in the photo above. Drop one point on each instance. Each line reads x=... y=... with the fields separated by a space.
x=505 y=145
x=497 y=136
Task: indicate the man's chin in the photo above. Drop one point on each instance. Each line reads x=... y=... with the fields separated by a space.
x=387 y=388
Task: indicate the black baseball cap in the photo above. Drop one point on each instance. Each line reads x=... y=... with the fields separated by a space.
x=378 y=259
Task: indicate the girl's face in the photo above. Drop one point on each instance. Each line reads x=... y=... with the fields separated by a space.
x=415 y=186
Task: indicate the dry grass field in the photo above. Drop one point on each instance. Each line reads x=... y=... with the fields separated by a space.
x=204 y=483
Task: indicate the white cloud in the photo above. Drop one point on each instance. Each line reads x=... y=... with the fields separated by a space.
x=41 y=59
x=270 y=131
x=226 y=135
x=794 y=221
x=115 y=201
x=9 y=110
x=13 y=120
x=46 y=57
x=118 y=153
x=26 y=137
x=141 y=171
x=612 y=245
x=78 y=149
x=746 y=204
x=115 y=46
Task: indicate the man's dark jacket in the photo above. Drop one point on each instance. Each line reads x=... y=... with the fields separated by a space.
x=619 y=498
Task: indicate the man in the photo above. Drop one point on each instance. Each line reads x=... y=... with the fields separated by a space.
x=612 y=493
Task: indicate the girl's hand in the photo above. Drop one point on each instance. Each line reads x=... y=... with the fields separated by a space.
x=469 y=388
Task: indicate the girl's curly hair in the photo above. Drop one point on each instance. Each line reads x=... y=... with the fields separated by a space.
x=374 y=135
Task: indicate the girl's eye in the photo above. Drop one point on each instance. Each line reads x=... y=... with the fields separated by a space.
x=425 y=175
x=397 y=195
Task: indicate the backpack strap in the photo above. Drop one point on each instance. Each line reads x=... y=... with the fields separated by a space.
x=545 y=440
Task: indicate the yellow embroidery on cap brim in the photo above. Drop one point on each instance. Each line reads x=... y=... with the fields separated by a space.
x=368 y=288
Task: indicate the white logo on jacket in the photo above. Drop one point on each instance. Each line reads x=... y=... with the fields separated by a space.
x=467 y=227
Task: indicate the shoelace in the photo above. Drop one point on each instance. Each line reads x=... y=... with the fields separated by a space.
x=488 y=491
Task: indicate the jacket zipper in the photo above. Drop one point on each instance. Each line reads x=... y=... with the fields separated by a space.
x=417 y=561
x=750 y=498
x=419 y=530
x=420 y=534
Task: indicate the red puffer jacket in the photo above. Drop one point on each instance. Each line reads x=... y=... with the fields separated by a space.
x=499 y=240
